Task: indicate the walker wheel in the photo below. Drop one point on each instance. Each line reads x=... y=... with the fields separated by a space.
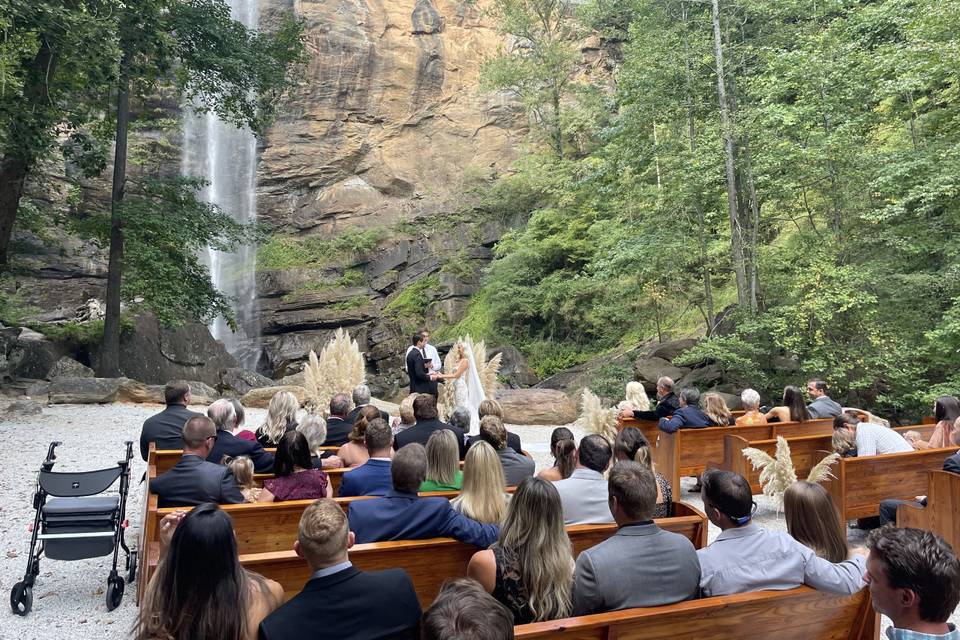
x=132 y=567
x=21 y=599
x=114 y=592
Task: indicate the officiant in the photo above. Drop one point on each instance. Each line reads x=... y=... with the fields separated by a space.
x=434 y=364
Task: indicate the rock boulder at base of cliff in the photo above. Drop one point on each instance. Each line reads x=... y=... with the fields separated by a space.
x=648 y=369
x=85 y=390
x=536 y=406
x=236 y=382
x=260 y=398
x=670 y=350
x=513 y=367
x=31 y=355
x=22 y=408
x=67 y=367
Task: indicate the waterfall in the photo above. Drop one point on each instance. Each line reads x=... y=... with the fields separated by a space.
x=227 y=158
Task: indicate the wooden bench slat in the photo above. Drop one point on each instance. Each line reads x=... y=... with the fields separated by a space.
x=942 y=513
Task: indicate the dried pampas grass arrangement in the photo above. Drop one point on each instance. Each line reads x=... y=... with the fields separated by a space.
x=487 y=371
x=339 y=368
x=777 y=472
x=594 y=418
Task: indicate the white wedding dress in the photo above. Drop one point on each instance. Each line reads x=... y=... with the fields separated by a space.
x=468 y=392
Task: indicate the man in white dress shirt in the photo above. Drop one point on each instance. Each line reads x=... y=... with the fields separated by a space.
x=433 y=358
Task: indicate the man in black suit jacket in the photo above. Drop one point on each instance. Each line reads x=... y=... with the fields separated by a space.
x=166 y=428
x=339 y=598
x=421 y=380
x=361 y=398
x=193 y=480
x=425 y=411
x=667 y=403
x=888 y=508
x=338 y=427
x=224 y=416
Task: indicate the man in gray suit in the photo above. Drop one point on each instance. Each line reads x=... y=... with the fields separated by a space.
x=584 y=493
x=822 y=406
x=641 y=565
x=193 y=480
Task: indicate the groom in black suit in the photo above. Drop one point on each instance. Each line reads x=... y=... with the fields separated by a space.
x=421 y=380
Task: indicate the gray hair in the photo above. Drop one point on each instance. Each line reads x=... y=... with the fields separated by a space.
x=340 y=405
x=750 y=398
x=241 y=414
x=361 y=395
x=690 y=396
x=460 y=418
x=314 y=429
x=223 y=414
x=665 y=382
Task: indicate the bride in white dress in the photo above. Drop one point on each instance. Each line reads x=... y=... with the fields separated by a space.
x=467 y=389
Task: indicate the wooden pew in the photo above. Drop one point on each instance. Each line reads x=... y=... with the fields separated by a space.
x=431 y=562
x=805 y=451
x=942 y=513
x=798 y=614
x=861 y=483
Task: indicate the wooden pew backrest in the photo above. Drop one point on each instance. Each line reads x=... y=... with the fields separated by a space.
x=942 y=513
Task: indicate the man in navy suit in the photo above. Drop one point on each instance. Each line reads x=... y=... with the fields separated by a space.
x=224 y=416
x=888 y=508
x=344 y=602
x=193 y=480
x=403 y=515
x=688 y=416
x=165 y=429
x=372 y=478
x=428 y=421
x=338 y=427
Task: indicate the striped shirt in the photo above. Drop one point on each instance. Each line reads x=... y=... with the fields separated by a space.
x=906 y=634
x=874 y=439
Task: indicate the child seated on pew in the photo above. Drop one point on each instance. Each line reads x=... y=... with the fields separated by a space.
x=242 y=469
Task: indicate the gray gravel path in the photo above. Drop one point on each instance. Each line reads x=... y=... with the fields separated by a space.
x=69 y=596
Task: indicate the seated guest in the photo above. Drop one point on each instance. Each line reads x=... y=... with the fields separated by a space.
x=372 y=478
x=667 y=403
x=844 y=443
x=227 y=445
x=194 y=480
x=338 y=597
x=872 y=439
x=200 y=585
x=165 y=429
x=914 y=579
x=888 y=508
x=946 y=411
x=793 y=408
x=717 y=411
x=338 y=427
x=641 y=565
x=688 y=416
x=361 y=399
x=564 y=449
x=813 y=520
x=354 y=453
x=484 y=496
x=403 y=515
x=745 y=557
x=281 y=417
x=493 y=408
x=242 y=470
x=750 y=400
x=239 y=426
x=406 y=419
x=294 y=475
x=633 y=446
x=460 y=418
x=516 y=467
x=584 y=493
x=425 y=411
x=530 y=567
x=822 y=406
x=314 y=429
x=443 y=465
x=464 y=611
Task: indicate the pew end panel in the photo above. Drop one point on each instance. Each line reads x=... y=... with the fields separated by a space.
x=942 y=513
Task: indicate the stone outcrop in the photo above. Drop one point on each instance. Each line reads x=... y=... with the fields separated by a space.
x=235 y=382
x=260 y=398
x=69 y=368
x=536 y=406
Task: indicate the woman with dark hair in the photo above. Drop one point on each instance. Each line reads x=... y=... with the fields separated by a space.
x=794 y=408
x=200 y=590
x=946 y=411
x=813 y=520
x=354 y=453
x=294 y=475
x=564 y=451
x=632 y=445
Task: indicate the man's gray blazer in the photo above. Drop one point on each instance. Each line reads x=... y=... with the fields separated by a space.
x=824 y=407
x=584 y=498
x=640 y=566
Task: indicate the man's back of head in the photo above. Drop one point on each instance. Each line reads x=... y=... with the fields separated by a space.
x=324 y=535
x=223 y=414
x=727 y=498
x=197 y=431
x=493 y=432
x=379 y=438
x=690 y=396
x=340 y=405
x=464 y=611
x=409 y=468
x=665 y=384
x=594 y=453
x=176 y=392
x=460 y=418
x=361 y=395
x=425 y=407
x=632 y=489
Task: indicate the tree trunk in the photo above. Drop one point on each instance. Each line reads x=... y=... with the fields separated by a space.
x=13 y=176
x=110 y=355
x=557 y=131
x=736 y=234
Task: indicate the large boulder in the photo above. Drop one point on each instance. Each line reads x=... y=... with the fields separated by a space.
x=67 y=367
x=155 y=354
x=536 y=406
x=514 y=368
x=732 y=400
x=236 y=382
x=647 y=369
x=22 y=408
x=260 y=398
x=201 y=393
x=85 y=390
x=31 y=355
x=670 y=350
x=702 y=377
x=140 y=393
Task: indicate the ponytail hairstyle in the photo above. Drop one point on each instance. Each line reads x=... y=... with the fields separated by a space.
x=563 y=448
x=359 y=431
x=632 y=445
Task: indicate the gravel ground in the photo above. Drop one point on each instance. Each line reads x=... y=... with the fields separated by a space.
x=69 y=596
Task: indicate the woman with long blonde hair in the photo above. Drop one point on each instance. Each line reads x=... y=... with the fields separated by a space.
x=530 y=568
x=443 y=462
x=716 y=409
x=483 y=497
x=813 y=520
x=281 y=417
